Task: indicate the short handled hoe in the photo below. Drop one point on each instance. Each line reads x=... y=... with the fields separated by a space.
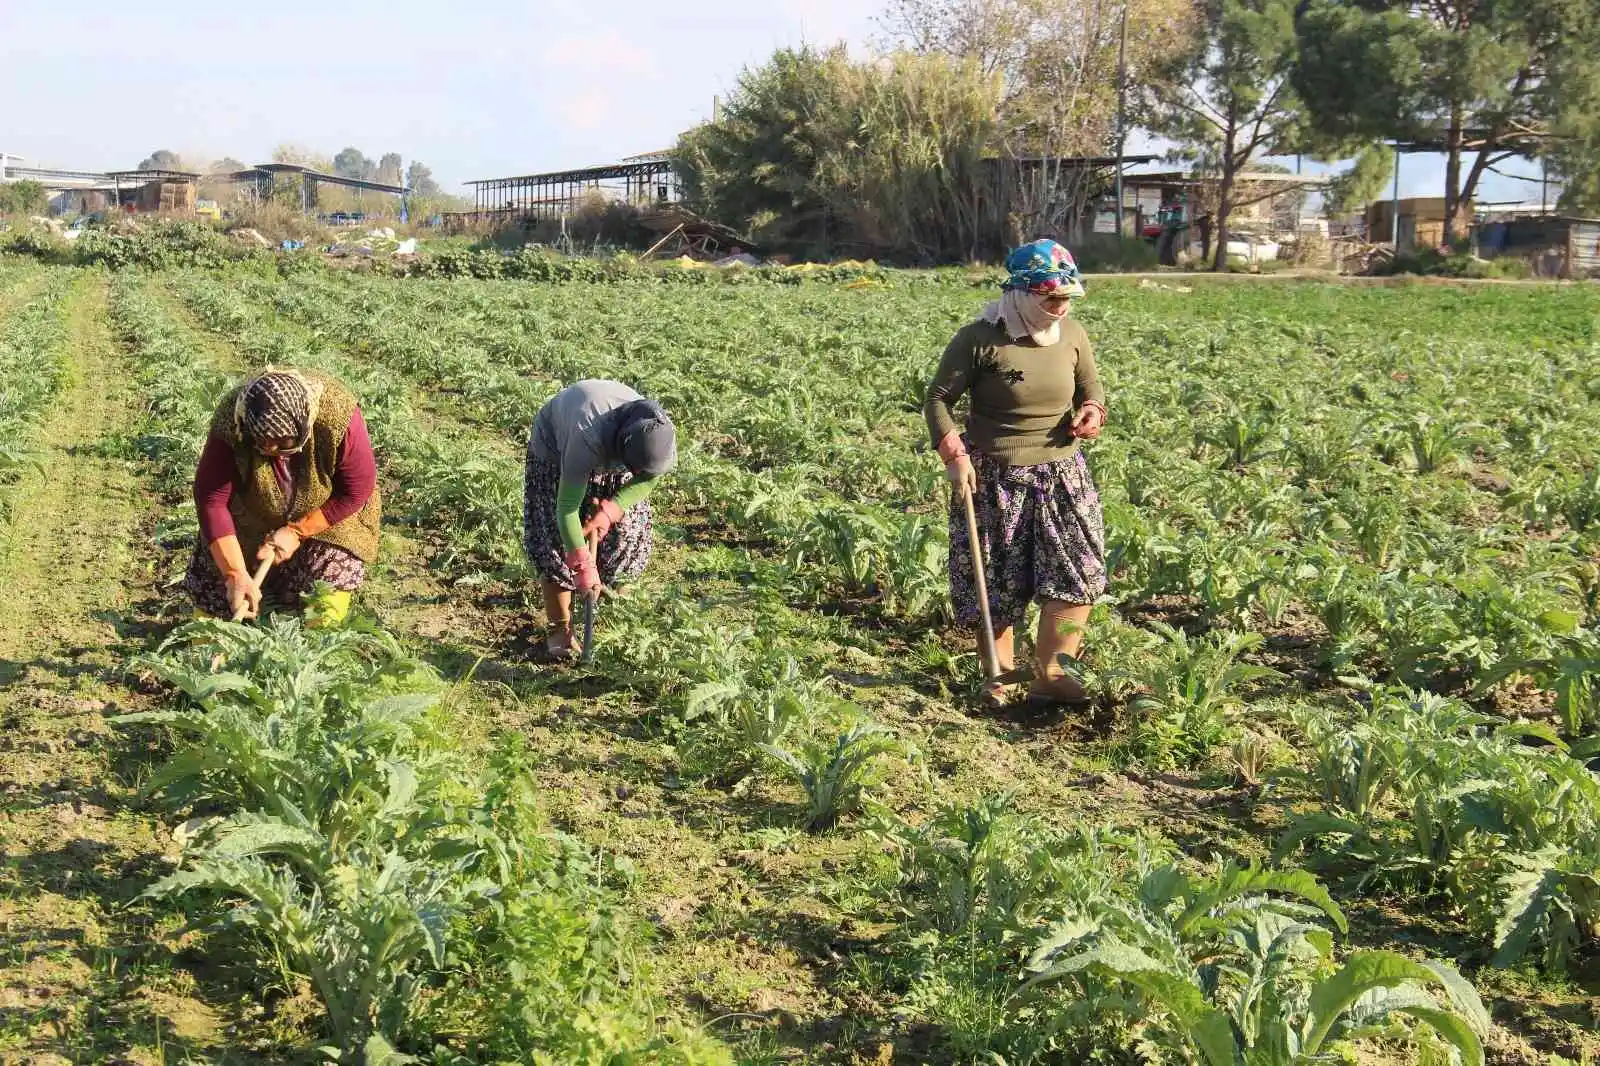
x=259 y=577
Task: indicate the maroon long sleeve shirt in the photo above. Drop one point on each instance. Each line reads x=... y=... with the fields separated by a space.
x=355 y=478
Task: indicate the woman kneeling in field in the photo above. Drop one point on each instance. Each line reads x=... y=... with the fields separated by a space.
x=1029 y=372
x=287 y=474
x=594 y=453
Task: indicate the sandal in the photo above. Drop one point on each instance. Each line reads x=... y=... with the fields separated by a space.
x=1064 y=690
x=558 y=645
x=997 y=694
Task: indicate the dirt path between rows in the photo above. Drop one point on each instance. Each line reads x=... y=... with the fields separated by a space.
x=83 y=976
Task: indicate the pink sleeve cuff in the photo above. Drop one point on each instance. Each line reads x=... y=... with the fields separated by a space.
x=951 y=448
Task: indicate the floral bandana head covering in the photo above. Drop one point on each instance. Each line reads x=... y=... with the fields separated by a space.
x=1043 y=268
x=277 y=403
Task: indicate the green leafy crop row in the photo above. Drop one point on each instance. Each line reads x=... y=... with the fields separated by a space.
x=33 y=369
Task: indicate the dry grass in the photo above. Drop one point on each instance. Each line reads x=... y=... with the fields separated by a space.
x=278 y=222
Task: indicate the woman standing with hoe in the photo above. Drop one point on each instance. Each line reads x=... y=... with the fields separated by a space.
x=1028 y=371
x=594 y=453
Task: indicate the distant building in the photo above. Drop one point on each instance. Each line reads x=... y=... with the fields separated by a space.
x=1554 y=246
x=285 y=182
x=145 y=192
x=84 y=192
x=1051 y=193
x=1421 y=222
x=73 y=202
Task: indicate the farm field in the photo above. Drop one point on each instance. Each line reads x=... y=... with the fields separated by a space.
x=1345 y=682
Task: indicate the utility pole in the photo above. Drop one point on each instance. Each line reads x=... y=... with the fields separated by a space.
x=1299 y=196
x=1394 y=212
x=1122 y=112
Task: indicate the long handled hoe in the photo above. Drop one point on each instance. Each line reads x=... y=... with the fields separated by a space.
x=588 y=608
x=991 y=660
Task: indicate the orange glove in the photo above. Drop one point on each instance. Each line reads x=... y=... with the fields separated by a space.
x=312 y=524
x=285 y=541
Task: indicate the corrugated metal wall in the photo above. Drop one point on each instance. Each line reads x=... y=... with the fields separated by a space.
x=1554 y=246
x=1583 y=249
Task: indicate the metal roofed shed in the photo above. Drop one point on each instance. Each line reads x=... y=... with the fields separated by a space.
x=1554 y=246
x=1187 y=179
x=168 y=191
x=644 y=180
x=1266 y=209
x=154 y=175
x=264 y=179
x=172 y=191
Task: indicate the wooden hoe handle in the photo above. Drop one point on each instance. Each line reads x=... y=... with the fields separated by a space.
x=991 y=661
x=258 y=577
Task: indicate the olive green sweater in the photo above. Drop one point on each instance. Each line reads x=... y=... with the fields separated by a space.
x=1023 y=397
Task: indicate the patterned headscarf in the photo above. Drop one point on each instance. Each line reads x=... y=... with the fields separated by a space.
x=1044 y=268
x=277 y=403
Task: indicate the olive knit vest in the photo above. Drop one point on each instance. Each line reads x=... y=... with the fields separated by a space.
x=261 y=508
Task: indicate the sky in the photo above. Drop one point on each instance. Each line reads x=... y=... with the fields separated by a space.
x=489 y=89
x=492 y=89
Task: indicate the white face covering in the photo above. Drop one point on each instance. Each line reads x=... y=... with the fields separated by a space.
x=1025 y=315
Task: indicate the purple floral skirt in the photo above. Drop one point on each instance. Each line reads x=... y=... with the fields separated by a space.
x=286 y=583
x=623 y=554
x=1043 y=538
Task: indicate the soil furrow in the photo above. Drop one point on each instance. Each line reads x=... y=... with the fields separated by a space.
x=85 y=977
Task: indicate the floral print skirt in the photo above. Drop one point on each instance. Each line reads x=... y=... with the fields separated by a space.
x=286 y=584
x=1043 y=537
x=623 y=554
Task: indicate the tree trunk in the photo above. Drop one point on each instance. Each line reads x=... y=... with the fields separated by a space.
x=1224 y=208
x=1469 y=188
x=1230 y=167
x=1219 y=261
x=1452 y=176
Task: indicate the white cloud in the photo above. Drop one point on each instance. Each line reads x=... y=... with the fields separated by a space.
x=829 y=21
x=585 y=104
x=602 y=50
x=587 y=109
